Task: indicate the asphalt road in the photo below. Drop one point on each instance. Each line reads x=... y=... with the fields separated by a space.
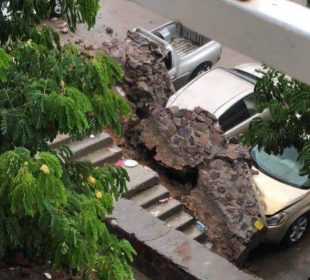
x=280 y=263
x=269 y=262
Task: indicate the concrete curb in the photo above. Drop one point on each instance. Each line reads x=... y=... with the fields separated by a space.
x=166 y=254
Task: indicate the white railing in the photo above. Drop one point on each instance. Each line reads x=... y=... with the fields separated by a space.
x=276 y=32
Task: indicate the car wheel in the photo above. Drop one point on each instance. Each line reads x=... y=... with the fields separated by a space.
x=201 y=69
x=297 y=230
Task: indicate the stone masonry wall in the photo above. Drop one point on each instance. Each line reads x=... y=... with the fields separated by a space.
x=181 y=140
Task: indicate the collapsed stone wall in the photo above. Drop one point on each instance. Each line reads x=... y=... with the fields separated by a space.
x=146 y=83
x=182 y=140
x=223 y=198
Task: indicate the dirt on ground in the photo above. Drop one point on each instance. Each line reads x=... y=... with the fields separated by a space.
x=33 y=272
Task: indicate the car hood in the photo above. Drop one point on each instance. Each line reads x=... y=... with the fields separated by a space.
x=273 y=195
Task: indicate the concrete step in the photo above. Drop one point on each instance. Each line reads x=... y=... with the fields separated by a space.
x=165 y=210
x=179 y=220
x=61 y=139
x=141 y=178
x=150 y=196
x=88 y=145
x=103 y=155
x=192 y=232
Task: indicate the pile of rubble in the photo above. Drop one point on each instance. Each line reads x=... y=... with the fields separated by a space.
x=182 y=140
x=228 y=203
x=147 y=82
x=223 y=197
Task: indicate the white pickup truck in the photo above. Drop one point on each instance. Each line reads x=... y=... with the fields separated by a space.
x=187 y=54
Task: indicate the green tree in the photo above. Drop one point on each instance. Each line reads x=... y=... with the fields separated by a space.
x=288 y=101
x=52 y=208
x=19 y=18
x=45 y=91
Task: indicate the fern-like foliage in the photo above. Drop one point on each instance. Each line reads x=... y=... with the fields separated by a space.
x=55 y=210
x=19 y=18
x=46 y=91
x=50 y=207
x=288 y=102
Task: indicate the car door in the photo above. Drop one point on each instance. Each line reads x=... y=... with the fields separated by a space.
x=237 y=118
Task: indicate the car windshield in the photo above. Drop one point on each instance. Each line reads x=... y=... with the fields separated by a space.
x=283 y=167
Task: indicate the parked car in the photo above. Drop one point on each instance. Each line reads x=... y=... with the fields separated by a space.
x=283 y=193
x=226 y=93
x=187 y=54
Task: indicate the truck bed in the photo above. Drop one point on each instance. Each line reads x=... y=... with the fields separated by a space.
x=182 y=39
x=183 y=46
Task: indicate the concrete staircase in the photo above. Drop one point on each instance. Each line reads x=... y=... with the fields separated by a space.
x=144 y=188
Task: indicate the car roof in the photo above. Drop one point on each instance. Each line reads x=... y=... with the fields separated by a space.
x=251 y=68
x=210 y=91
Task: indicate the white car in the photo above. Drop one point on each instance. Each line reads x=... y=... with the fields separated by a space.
x=226 y=93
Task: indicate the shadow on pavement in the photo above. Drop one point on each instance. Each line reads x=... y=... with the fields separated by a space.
x=277 y=262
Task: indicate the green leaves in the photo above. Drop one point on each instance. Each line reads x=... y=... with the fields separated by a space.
x=52 y=210
x=22 y=16
x=5 y=61
x=31 y=182
x=288 y=102
x=46 y=91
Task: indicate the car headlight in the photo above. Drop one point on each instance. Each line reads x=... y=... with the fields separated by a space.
x=276 y=219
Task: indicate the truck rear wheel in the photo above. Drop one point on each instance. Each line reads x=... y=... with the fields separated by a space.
x=201 y=69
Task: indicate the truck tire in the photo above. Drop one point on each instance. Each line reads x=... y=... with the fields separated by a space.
x=297 y=230
x=201 y=69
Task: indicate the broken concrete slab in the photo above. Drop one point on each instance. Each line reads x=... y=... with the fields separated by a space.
x=166 y=254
